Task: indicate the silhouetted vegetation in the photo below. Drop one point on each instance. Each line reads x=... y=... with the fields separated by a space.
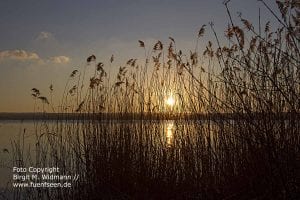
x=254 y=155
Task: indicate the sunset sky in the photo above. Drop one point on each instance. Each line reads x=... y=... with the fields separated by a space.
x=43 y=41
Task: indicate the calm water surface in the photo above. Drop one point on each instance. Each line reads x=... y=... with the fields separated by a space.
x=12 y=132
x=23 y=133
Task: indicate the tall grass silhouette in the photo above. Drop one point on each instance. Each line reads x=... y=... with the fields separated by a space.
x=233 y=132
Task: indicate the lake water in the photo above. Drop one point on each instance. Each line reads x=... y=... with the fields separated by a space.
x=166 y=152
x=12 y=132
x=23 y=133
x=155 y=135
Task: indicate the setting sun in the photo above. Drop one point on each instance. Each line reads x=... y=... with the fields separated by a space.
x=170 y=101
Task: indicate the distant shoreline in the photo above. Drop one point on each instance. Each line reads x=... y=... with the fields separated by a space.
x=144 y=116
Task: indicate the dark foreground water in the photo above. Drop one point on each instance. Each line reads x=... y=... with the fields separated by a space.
x=12 y=132
x=159 y=158
x=23 y=133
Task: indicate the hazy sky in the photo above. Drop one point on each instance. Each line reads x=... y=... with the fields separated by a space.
x=43 y=41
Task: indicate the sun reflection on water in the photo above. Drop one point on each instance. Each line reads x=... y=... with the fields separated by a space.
x=170 y=133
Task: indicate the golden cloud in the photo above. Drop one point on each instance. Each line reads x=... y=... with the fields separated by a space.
x=60 y=59
x=18 y=55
